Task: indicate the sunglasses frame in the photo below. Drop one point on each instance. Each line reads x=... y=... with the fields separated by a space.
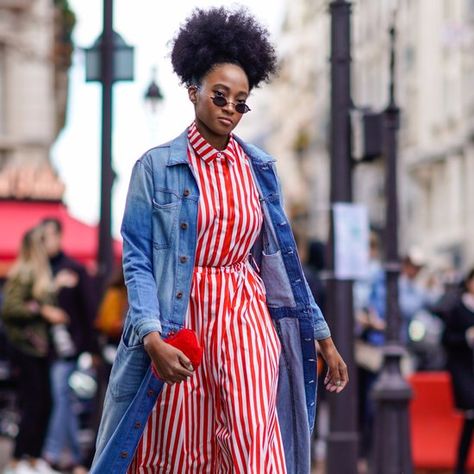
x=216 y=98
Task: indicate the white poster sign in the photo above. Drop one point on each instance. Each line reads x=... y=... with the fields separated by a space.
x=351 y=236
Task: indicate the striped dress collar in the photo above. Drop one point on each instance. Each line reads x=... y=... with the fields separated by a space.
x=206 y=151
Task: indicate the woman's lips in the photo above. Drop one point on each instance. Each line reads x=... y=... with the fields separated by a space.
x=225 y=121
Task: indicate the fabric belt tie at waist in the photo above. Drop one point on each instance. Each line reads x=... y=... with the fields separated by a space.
x=237 y=266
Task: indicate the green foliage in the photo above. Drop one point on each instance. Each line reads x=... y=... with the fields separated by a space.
x=67 y=20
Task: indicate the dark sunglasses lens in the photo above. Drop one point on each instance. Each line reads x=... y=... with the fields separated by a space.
x=219 y=101
x=242 y=108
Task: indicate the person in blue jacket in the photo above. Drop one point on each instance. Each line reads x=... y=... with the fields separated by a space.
x=220 y=55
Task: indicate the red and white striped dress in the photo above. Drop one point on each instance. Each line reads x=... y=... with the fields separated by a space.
x=223 y=419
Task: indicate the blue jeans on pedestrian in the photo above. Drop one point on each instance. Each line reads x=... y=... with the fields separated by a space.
x=63 y=429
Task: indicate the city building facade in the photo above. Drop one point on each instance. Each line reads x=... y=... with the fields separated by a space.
x=35 y=53
x=434 y=77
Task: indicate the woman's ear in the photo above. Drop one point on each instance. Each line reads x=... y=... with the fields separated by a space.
x=192 y=94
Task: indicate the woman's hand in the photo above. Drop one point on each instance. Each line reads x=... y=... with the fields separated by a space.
x=66 y=279
x=170 y=363
x=336 y=378
x=53 y=314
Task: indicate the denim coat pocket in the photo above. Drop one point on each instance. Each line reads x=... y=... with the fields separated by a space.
x=164 y=217
x=130 y=366
x=277 y=283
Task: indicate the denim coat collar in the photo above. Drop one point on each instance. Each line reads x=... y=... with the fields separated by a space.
x=179 y=146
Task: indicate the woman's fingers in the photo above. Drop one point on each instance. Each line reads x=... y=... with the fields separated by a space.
x=181 y=371
x=175 y=372
x=336 y=377
x=185 y=362
x=332 y=381
x=171 y=365
x=343 y=378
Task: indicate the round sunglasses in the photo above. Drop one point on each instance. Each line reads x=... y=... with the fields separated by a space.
x=221 y=101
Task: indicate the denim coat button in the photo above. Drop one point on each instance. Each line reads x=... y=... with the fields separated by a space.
x=183 y=259
x=186 y=192
x=184 y=225
x=138 y=425
x=124 y=454
x=179 y=295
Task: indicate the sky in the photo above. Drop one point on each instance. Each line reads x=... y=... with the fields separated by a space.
x=148 y=25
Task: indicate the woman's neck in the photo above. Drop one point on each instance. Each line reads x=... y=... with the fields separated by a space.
x=219 y=142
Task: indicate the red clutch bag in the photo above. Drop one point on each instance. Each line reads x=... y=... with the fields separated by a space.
x=186 y=341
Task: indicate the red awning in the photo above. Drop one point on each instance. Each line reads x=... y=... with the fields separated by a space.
x=16 y=217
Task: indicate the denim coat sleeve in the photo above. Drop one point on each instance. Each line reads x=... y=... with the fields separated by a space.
x=320 y=326
x=136 y=231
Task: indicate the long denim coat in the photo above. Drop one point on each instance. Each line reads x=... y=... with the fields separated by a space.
x=159 y=228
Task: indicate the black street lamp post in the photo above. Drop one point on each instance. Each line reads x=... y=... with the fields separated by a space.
x=109 y=60
x=105 y=250
x=343 y=438
x=391 y=450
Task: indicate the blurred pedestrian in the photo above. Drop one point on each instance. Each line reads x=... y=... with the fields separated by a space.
x=113 y=309
x=29 y=311
x=368 y=326
x=197 y=209
x=412 y=295
x=363 y=286
x=110 y=319
x=458 y=339
x=77 y=300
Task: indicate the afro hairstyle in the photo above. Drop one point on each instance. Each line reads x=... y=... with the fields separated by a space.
x=219 y=35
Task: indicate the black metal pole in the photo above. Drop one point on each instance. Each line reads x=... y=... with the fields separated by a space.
x=391 y=450
x=343 y=438
x=105 y=250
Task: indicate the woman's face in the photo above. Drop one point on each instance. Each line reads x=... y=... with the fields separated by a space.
x=227 y=80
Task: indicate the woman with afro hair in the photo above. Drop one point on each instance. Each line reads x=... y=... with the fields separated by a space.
x=208 y=248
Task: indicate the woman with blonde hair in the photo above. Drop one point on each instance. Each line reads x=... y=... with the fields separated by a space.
x=28 y=311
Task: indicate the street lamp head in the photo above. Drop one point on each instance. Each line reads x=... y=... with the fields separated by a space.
x=153 y=94
x=122 y=56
